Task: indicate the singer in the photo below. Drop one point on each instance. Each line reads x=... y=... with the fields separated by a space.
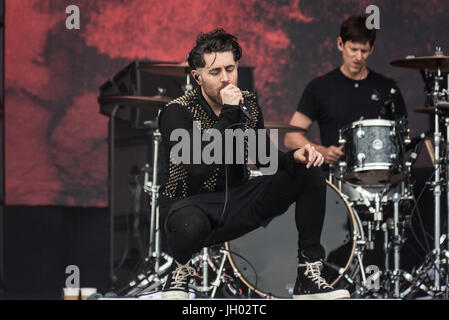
x=345 y=94
x=206 y=204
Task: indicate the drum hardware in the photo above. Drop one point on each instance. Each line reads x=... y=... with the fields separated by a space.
x=203 y=260
x=119 y=101
x=344 y=248
x=174 y=70
x=219 y=277
x=156 y=101
x=436 y=62
x=384 y=228
x=372 y=197
x=159 y=261
x=439 y=109
x=397 y=244
x=151 y=279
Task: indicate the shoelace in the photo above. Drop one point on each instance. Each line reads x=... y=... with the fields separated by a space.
x=313 y=272
x=180 y=276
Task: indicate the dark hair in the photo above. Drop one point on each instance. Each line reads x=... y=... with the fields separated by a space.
x=354 y=29
x=214 y=41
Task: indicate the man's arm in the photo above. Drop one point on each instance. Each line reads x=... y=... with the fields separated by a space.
x=305 y=154
x=295 y=140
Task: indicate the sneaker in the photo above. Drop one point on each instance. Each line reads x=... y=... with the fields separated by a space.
x=310 y=285
x=177 y=284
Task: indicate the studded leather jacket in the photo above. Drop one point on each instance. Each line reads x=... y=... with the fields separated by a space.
x=185 y=180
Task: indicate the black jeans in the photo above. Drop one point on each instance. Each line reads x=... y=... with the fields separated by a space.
x=199 y=221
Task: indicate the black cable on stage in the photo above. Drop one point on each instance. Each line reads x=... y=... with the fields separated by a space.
x=415 y=210
x=226 y=173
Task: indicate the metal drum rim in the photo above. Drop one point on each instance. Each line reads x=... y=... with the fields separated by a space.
x=373 y=122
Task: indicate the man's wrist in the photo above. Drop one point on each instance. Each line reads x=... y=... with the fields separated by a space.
x=320 y=149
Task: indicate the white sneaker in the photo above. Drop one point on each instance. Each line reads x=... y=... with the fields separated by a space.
x=177 y=284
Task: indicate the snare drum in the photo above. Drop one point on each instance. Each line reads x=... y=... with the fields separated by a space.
x=266 y=258
x=374 y=153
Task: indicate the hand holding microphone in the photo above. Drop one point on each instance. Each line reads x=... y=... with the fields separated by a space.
x=232 y=95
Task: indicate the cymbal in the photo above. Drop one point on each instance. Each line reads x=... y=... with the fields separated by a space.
x=426 y=62
x=135 y=101
x=167 y=69
x=284 y=127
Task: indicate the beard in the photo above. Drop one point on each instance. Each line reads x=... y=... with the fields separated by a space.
x=214 y=95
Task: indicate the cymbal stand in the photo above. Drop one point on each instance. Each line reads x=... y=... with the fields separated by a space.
x=396 y=245
x=188 y=86
x=446 y=252
x=152 y=188
x=437 y=199
x=210 y=258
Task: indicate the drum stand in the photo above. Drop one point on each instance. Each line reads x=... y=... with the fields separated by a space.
x=150 y=280
x=397 y=243
x=373 y=202
x=434 y=260
x=437 y=184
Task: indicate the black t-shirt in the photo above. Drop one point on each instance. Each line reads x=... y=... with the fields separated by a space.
x=335 y=101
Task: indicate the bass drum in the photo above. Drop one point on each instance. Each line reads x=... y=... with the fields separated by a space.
x=265 y=259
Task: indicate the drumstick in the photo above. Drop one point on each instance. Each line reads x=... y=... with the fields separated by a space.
x=430 y=150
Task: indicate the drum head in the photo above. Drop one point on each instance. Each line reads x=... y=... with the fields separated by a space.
x=266 y=258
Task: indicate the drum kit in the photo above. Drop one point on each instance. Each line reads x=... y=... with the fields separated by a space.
x=367 y=192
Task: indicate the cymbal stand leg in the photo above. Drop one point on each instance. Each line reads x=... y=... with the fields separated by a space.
x=378 y=216
x=358 y=254
x=217 y=281
x=331 y=173
x=384 y=228
x=447 y=199
x=189 y=86
x=397 y=245
x=205 y=264
x=437 y=197
x=154 y=246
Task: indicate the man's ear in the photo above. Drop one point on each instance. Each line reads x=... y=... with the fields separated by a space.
x=340 y=43
x=196 y=75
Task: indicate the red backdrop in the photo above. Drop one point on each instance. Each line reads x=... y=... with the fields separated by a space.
x=56 y=140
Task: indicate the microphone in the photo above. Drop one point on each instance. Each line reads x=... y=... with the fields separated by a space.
x=245 y=111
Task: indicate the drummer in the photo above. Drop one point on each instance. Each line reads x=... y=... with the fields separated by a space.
x=345 y=94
